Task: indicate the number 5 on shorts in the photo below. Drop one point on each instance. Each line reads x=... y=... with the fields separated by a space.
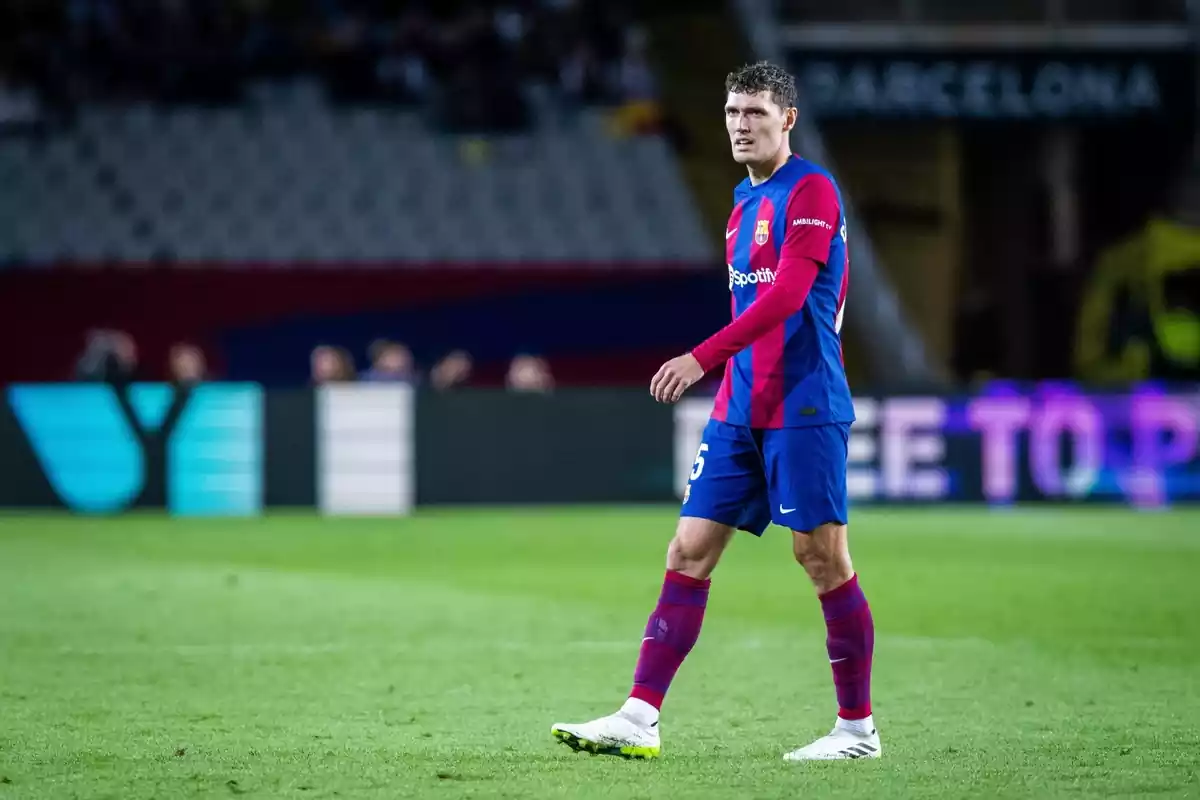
x=698 y=464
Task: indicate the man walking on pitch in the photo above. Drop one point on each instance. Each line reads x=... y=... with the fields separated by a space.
x=775 y=447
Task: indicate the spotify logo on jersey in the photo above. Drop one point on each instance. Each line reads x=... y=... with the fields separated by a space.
x=739 y=278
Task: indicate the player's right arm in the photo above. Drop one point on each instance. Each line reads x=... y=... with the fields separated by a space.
x=812 y=219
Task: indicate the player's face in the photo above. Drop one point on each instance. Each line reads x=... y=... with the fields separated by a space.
x=756 y=126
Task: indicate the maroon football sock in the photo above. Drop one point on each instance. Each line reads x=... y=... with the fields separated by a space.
x=670 y=633
x=851 y=644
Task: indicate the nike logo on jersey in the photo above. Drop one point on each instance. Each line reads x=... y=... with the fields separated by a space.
x=783 y=510
x=730 y=233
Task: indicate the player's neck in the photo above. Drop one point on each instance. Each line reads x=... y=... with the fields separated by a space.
x=763 y=171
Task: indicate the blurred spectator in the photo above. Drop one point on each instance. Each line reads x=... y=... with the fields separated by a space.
x=452 y=371
x=19 y=108
x=331 y=365
x=529 y=373
x=390 y=361
x=487 y=60
x=639 y=111
x=109 y=356
x=187 y=364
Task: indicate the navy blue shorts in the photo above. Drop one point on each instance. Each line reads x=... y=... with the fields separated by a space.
x=748 y=477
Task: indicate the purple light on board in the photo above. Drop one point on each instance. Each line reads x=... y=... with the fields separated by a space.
x=999 y=419
x=1165 y=432
x=1077 y=417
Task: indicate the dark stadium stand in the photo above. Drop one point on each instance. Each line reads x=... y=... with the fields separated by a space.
x=278 y=136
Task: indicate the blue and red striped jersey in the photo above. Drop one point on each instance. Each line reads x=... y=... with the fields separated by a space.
x=788 y=276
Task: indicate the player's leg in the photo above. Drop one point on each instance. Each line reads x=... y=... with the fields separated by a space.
x=674 y=625
x=669 y=635
x=824 y=553
x=727 y=491
x=806 y=470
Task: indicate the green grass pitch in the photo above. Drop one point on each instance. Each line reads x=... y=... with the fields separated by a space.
x=1022 y=653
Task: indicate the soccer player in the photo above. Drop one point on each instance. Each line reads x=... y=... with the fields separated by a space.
x=775 y=447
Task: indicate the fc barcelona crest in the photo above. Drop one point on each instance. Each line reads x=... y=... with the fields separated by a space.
x=762 y=232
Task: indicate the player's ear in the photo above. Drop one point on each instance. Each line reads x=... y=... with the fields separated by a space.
x=789 y=118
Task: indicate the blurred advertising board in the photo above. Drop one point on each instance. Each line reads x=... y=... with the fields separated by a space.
x=1051 y=442
x=238 y=449
x=998 y=85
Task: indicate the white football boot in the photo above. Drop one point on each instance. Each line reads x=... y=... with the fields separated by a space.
x=632 y=732
x=846 y=740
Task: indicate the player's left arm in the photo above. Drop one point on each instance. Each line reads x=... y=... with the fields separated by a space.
x=812 y=220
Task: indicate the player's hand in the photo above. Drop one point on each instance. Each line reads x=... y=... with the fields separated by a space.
x=675 y=377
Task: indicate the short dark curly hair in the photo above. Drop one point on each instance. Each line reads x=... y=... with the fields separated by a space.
x=763 y=76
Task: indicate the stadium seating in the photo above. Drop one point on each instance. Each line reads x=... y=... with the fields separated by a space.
x=303 y=182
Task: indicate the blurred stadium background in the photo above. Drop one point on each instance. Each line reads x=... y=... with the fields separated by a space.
x=327 y=461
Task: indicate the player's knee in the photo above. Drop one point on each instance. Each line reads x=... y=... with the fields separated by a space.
x=692 y=556
x=696 y=547
x=825 y=556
